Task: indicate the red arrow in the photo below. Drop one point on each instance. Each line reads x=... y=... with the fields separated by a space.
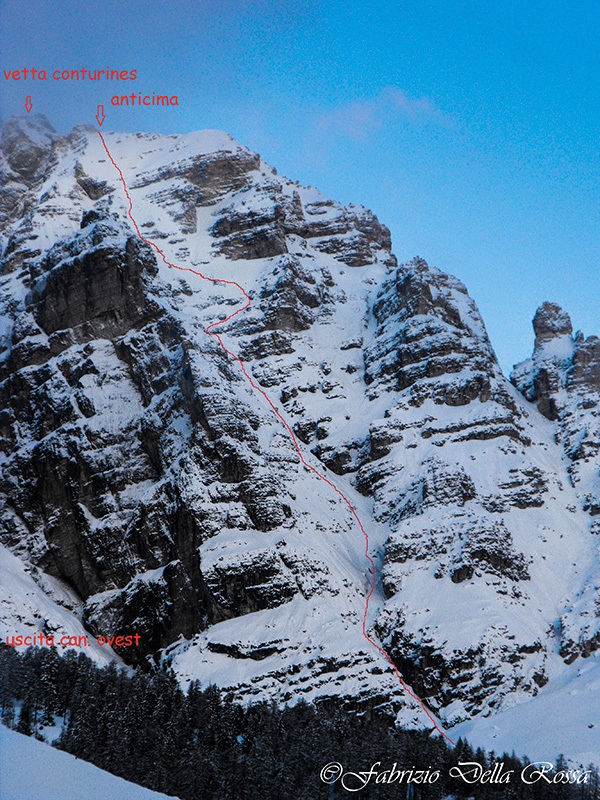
x=100 y=117
x=28 y=104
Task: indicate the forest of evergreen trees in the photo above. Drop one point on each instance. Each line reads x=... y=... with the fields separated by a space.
x=200 y=746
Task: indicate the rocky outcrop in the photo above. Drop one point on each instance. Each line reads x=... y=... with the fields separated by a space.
x=421 y=334
x=26 y=152
x=258 y=229
x=553 y=355
x=563 y=379
x=26 y=148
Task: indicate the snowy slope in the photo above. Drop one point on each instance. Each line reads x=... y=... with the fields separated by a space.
x=144 y=471
x=32 y=770
x=30 y=608
x=563 y=718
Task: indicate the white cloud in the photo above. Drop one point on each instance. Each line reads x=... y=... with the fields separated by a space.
x=361 y=118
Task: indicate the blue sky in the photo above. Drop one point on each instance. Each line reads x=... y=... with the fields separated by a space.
x=471 y=128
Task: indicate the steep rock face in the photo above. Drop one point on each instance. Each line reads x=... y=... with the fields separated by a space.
x=25 y=156
x=456 y=468
x=562 y=378
x=129 y=439
x=421 y=334
x=82 y=478
x=543 y=377
x=147 y=474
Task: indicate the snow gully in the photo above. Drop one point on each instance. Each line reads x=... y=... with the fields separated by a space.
x=209 y=330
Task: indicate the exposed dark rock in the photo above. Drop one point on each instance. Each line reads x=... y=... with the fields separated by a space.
x=293 y=297
x=468 y=673
x=585 y=371
x=439 y=484
x=550 y=321
x=563 y=379
x=465 y=545
x=97 y=294
x=26 y=145
x=213 y=174
x=250 y=582
x=94 y=189
x=158 y=606
x=525 y=487
x=422 y=335
x=261 y=242
x=272 y=343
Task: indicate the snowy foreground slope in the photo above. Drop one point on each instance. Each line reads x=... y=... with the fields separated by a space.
x=149 y=488
x=563 y=718
x=30 y=769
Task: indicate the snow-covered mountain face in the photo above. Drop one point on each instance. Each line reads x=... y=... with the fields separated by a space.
x=563 y=378
x=152 y=489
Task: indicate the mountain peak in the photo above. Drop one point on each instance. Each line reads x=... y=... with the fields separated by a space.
x=25 y=143
x=30 y=126
x=549 y=322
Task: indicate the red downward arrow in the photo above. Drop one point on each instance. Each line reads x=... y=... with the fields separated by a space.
x=28 y=104
x=100 y=117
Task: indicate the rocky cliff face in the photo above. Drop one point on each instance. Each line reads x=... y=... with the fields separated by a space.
x=143 y=473
x=563 y=379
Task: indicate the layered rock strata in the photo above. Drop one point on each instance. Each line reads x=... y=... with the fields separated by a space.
x=144 y=474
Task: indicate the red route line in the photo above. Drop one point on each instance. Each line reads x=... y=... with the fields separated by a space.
x=285 y=423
